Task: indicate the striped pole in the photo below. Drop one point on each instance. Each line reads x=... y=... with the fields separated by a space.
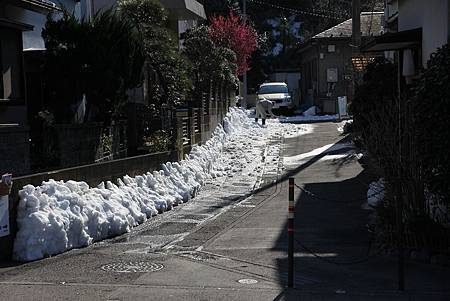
x=291 y=234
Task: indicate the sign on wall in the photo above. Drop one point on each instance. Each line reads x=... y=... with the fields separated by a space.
x=4 y=215
x=342 y=106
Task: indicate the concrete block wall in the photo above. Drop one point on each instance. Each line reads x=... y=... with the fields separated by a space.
x=93 y=174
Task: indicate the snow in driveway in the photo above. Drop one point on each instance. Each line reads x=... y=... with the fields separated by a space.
x=347 y=150
x=312 y=118
x=57 y=216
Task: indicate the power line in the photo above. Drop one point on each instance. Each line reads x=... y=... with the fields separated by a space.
x=296 y=11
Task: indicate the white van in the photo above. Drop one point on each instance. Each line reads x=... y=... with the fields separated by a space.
x=278 y=93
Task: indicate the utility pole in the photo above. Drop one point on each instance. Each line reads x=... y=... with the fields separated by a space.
x=356 y=24
x=244 y=88
x=356 y=39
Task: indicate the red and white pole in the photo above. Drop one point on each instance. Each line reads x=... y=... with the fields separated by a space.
x=291 y=210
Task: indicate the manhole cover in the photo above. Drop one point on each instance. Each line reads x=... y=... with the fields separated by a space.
x=248 y=281
x=132 y=267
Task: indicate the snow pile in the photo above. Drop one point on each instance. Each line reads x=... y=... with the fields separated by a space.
x=310 y=112
x=296 y=131
x=57 y=216
x=375 y=194
x=344 y=126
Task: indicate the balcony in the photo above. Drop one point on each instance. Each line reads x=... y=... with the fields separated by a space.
x=185 y=9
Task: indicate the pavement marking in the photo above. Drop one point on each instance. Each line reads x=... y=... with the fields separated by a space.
x=248 y=281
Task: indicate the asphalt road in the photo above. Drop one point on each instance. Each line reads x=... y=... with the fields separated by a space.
x=230 y=243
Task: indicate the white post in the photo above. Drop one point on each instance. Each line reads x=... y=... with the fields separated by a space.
x=5 y=190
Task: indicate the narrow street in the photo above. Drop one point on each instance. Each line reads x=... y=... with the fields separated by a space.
x=230 y=242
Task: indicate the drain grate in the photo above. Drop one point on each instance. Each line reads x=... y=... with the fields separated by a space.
x=132 y=267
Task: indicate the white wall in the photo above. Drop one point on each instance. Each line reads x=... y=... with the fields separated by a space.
x=432 y=16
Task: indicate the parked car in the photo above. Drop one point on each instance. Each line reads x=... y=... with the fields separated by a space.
x=279 y=94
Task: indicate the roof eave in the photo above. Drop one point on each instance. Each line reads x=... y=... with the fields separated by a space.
x=34 y=5
x=15 y=25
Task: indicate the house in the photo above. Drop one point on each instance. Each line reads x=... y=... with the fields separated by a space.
x=20 y=21
x=20 y=24
x=329 y=62
x=183 y=14
x=416 y=29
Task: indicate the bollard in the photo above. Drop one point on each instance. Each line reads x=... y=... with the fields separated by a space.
x=291 y=210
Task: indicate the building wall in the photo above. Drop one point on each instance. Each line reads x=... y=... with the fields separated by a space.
x=432 y=16
x=309 y=66
x=391 y=8
x=315 y=62
x=340 y=59
x=33 y=39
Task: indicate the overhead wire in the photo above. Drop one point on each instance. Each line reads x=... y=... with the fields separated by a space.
x=297 y=11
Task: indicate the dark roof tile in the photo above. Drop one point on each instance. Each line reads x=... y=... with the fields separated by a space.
x=371 y=25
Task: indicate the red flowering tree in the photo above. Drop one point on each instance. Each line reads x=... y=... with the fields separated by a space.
x=232 y=32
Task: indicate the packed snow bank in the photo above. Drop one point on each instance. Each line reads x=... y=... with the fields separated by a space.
x=344 y=126
x=310 y=112
x=57 y=216
x=309 y=118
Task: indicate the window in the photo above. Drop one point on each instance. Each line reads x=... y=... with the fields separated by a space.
x=11 y=77
x=272 y=89
x=331 y=48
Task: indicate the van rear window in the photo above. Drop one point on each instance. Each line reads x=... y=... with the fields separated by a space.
x=273 y=89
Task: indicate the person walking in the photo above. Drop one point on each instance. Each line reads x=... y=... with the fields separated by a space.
x=264 y=106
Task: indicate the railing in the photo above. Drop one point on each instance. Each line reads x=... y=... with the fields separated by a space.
x=196 y=120
x=185 y=131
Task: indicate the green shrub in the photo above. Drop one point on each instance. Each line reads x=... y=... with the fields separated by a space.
x=432 y=123
x=157 y=141
x=101 y=58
